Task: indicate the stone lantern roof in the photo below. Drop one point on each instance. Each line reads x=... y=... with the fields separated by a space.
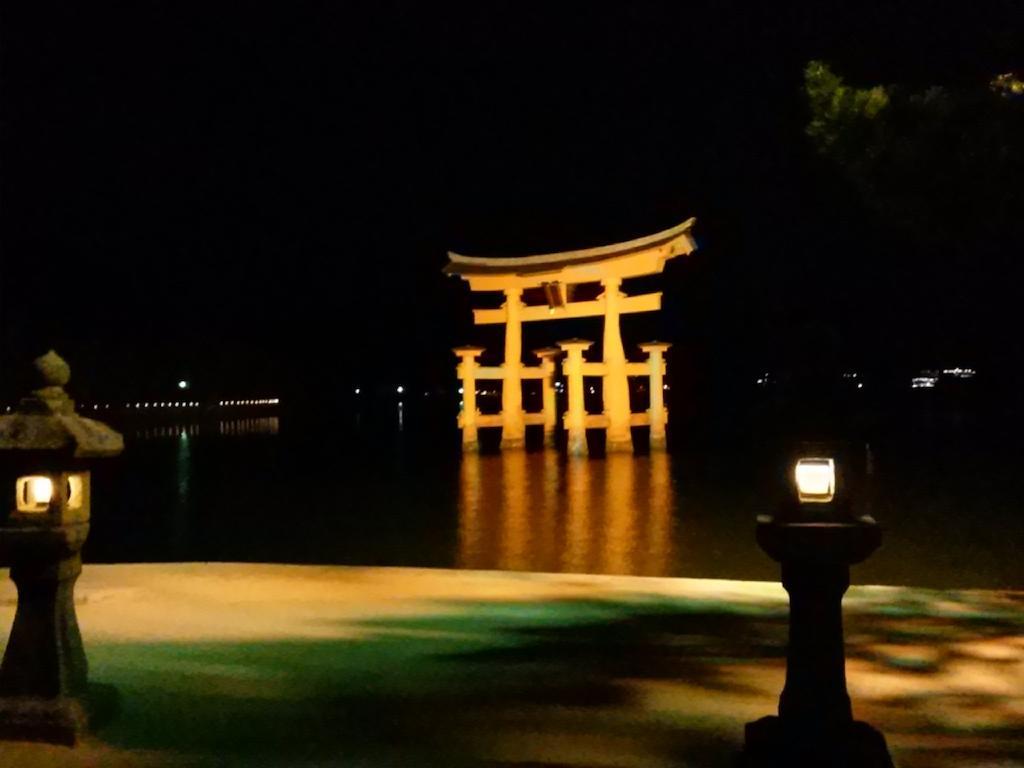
x=46 y=421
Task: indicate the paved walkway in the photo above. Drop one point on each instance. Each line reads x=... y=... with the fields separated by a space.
x=261 y=665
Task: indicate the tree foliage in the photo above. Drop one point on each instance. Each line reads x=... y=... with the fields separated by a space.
x=944 y=165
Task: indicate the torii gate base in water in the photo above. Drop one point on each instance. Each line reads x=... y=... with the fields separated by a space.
x=558 y=280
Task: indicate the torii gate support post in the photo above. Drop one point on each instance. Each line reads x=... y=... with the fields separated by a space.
x=657 y=413
x=547 y=363
x=466 y=372
x=576 y=416
x=513 y=423
x=615 y=384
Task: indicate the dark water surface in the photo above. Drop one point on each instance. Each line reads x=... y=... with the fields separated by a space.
x=384 y=493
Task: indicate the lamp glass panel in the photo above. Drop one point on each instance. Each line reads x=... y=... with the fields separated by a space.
x=815 y=480
x=34 y=493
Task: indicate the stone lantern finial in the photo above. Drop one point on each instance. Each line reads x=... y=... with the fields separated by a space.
x=52 y=373
x=53 y=369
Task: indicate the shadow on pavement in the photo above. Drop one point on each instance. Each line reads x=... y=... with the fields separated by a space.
x=566 y=683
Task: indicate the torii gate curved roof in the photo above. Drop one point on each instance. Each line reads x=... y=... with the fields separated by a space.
x=632 y=258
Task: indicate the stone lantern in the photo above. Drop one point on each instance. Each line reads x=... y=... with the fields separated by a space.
x=816 y=535
x=45 y=449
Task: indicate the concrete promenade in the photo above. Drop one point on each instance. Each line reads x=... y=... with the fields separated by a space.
x=263 y=665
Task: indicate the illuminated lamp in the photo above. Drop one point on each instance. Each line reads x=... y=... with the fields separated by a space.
x=46 y=450
x=815 y=480
x=33 y=493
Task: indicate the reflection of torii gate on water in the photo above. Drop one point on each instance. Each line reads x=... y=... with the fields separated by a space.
x=557 y=276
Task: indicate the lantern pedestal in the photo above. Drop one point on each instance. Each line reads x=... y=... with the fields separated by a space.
x=773 y=742
x=43 y=677
x=815 y=724
x=54 y=721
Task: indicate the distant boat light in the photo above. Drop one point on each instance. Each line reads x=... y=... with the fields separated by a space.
x=959 y=373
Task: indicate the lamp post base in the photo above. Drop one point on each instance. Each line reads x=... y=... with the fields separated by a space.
x=772 y=743
x=62 y=720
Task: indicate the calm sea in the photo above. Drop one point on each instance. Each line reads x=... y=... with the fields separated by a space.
x=394 y=489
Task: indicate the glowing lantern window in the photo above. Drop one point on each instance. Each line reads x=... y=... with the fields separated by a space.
x=34 y=493
x=815 y=480
x=75 y=489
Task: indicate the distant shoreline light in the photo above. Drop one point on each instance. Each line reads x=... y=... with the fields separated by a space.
x=180 y=404
x=258 y=401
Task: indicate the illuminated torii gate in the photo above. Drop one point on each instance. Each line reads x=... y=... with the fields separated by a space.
x=556 y=276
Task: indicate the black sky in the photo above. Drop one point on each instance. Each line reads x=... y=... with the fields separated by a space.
x=261 y=197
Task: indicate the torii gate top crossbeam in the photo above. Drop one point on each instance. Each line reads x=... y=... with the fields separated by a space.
x=633 y=258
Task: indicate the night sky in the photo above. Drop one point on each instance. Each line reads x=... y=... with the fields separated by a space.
x=260 y=199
